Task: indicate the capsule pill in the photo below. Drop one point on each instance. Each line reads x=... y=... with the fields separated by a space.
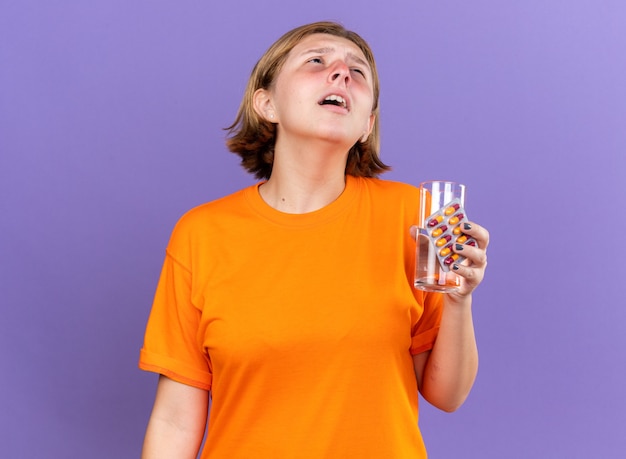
x=445 y=251
x=439 y=231
x=451 y=258
x=457 y=230
x=456 y=219
x=443 y=240
x=435 y=221
x=461 y=239
x=451 y=209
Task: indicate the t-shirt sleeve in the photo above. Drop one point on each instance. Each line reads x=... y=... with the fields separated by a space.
x=425 y=331
x=171 y=344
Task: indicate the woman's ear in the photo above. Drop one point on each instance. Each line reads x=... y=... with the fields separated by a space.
x=263 y=106
x=368 y=128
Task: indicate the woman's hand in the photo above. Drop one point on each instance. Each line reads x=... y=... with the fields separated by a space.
x=472 y=270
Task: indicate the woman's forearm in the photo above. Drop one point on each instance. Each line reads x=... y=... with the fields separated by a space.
x=177 y=422
x=452 y=365
x=166 y=441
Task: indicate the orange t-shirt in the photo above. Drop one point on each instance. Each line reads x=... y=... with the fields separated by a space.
x=302 y=326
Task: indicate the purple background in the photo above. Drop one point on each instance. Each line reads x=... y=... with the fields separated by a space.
x=110 y=128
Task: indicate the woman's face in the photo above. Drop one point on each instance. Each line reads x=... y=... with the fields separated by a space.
x=324 y=91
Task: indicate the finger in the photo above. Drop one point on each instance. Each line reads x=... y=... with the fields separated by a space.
x=477 y=232
x=476 y=256
x=472 y=276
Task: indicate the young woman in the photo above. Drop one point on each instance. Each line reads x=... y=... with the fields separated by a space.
x=291 y=302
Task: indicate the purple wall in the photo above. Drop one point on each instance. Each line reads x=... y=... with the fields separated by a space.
x=110 y=128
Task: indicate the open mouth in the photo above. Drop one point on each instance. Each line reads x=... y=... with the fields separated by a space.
x=336 y=100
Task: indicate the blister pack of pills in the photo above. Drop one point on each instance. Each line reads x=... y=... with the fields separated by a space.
x=444 y=228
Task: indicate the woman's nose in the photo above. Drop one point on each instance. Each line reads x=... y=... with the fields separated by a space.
x=340 y=71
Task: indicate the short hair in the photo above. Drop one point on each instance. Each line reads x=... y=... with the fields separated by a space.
x=253 y=138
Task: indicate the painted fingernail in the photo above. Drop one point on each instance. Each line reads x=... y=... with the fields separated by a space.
x=458 y=247
x=455 y=267
x=467 y=226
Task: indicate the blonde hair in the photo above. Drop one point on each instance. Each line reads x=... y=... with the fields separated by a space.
x=253 y=138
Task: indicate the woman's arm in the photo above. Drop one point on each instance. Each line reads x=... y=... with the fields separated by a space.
x=177 y=422
x=446 y=374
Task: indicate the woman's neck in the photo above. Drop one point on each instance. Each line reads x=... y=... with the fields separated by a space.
x=303 y=182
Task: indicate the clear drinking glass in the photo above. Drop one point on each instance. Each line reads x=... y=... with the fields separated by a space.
x=430 y=275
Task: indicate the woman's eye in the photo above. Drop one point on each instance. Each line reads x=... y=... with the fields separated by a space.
x=361 y=72
x=316 y=60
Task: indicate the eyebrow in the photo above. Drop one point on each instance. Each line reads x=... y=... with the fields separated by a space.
x=327 y=50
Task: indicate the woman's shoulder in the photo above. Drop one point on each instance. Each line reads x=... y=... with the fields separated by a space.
x=389 y=187
x=203 y=215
